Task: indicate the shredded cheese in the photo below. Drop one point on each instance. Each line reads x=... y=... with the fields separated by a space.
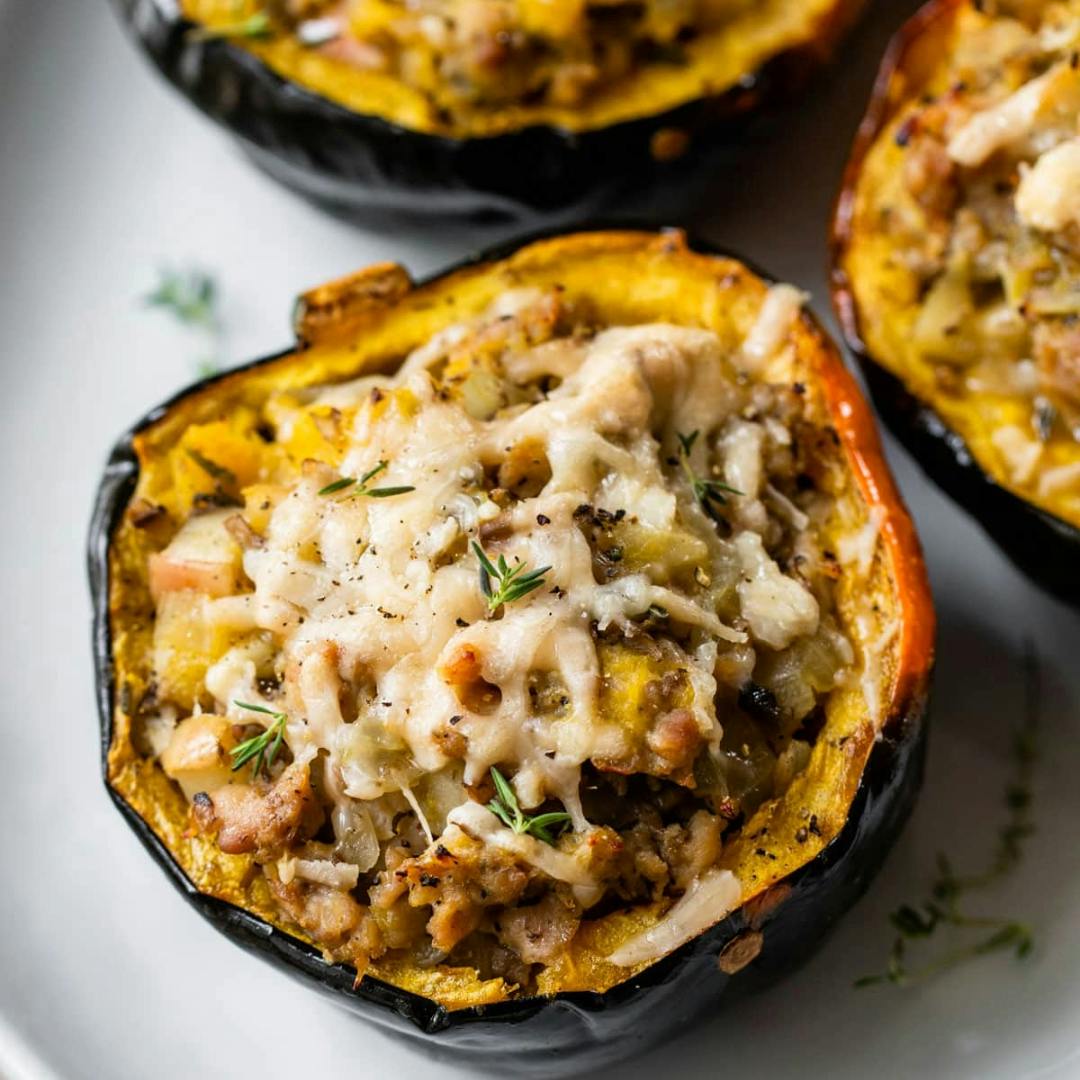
x=1048 y=196
x=394 y=611
x=710 y=897
x=1012 y=119
x=1020 y=452
x=773 y=326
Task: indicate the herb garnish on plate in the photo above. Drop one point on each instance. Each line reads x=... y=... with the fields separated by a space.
x=920 y=921
x=192 y=298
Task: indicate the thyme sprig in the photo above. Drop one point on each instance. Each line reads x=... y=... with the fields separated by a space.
x=191 y=296
x=710 y=494
x=212 y=469
x=506 y=808
x=502 y=583
x=363 y=489
x=256 y=25
x=919 y=921
x=263 y=747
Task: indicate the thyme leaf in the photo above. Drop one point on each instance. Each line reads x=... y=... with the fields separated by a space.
x=709 y=494
x=502 y=583
x=338 y=485
x=373 y=471
x=256 y=25
x=264 y=747
x=363 y=489
x=191 y=296
x=942 y=908
x=212 y=469
x=506 y=808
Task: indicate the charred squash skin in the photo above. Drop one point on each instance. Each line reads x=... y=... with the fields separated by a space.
x=1044 y=546
x=784 y=917
x=351 y=162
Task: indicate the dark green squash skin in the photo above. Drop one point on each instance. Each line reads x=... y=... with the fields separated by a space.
x=352 y=164
x=575 y=1032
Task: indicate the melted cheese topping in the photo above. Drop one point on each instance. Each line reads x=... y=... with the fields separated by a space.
x=385 y=601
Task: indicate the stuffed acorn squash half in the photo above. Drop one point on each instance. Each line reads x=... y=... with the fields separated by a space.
x=957 y=266
x=472 y=105
x=523 y=651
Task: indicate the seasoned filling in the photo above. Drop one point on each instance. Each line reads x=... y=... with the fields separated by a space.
x=981 y=211
x=498 y=52
x=479 y=67
x=470 y=655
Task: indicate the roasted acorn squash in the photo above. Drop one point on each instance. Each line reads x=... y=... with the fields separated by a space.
x=352 y=138
x=799 y=859
x=956 y=270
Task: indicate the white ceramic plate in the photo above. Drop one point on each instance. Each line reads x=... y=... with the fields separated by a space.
x=104 y=971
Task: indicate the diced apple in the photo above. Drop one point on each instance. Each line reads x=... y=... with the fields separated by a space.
x=202 y=557
x=188 y=638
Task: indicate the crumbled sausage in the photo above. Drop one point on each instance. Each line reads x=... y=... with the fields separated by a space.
x=255 y=818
